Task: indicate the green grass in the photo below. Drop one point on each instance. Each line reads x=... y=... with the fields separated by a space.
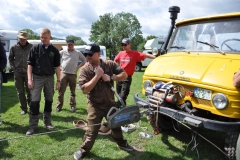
x=61 y=145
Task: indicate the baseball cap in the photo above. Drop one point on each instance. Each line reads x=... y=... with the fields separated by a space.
x=70 y=41
x=126 y=41
x=91 y=49
x=23 y=35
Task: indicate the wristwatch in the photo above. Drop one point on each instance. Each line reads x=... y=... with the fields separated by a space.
x=111 y=77
x=58 y=81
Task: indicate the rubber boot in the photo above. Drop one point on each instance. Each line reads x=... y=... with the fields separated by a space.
x=47 y=120
x=33 y=123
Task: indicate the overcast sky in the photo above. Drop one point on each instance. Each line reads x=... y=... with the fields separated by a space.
x=74 y=17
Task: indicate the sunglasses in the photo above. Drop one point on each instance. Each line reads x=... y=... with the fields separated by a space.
x=87 y=54
x=123 y=44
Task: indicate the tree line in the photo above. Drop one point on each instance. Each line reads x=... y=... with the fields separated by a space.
x=35 y=36
x=109 y=31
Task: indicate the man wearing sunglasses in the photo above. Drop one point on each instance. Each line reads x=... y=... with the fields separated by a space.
x=69 y=68
x=128 y=59
x=94 y=80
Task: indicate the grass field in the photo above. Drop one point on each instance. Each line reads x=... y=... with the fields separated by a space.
x=62 y=144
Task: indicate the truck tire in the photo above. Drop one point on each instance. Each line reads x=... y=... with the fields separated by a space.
x=230 y=145
x=138 y=67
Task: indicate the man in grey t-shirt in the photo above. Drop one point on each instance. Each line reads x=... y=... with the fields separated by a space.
x=69 y=68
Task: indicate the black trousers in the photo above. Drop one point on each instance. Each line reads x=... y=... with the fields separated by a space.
x=123 y=88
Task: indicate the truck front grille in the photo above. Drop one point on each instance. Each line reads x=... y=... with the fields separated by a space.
x=196 y=100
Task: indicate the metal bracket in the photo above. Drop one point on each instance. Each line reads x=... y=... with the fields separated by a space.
x=192 y=122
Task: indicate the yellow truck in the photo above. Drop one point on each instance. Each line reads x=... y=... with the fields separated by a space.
x=191 y=79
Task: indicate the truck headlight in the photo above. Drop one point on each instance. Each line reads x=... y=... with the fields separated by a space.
x=220 y=101
x=147 y=83
x=155 y=51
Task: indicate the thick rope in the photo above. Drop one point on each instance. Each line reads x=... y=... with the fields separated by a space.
x=195 y=133
x=44 y=133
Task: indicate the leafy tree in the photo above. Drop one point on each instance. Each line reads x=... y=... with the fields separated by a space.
x=77 y=40
x=100 y=32
x=109 y=31
x=136 y=42
x=150 y=37
x=126 y=25
x=140 y=47
x=31 y=34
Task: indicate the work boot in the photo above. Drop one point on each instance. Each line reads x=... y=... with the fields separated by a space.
x=23 y=112
x=126 y=147
x=33 y=123
x=58 y=109
x=47 y=118
x=30 y=131
x=77 y=155
x=73 y=109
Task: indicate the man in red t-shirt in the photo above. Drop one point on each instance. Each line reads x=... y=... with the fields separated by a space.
x=127 y=60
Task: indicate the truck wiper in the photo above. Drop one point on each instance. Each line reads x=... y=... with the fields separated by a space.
x=213 y=46
x=178 y=47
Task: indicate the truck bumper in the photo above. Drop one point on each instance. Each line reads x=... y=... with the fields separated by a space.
x=191 y=119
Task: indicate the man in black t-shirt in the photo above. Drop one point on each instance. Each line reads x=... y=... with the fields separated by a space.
x=43 y=62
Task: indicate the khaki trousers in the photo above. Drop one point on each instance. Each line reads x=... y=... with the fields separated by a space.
x=95 y=116
x=67 y=79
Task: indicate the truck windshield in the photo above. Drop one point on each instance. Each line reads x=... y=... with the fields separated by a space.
x=206 y=37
